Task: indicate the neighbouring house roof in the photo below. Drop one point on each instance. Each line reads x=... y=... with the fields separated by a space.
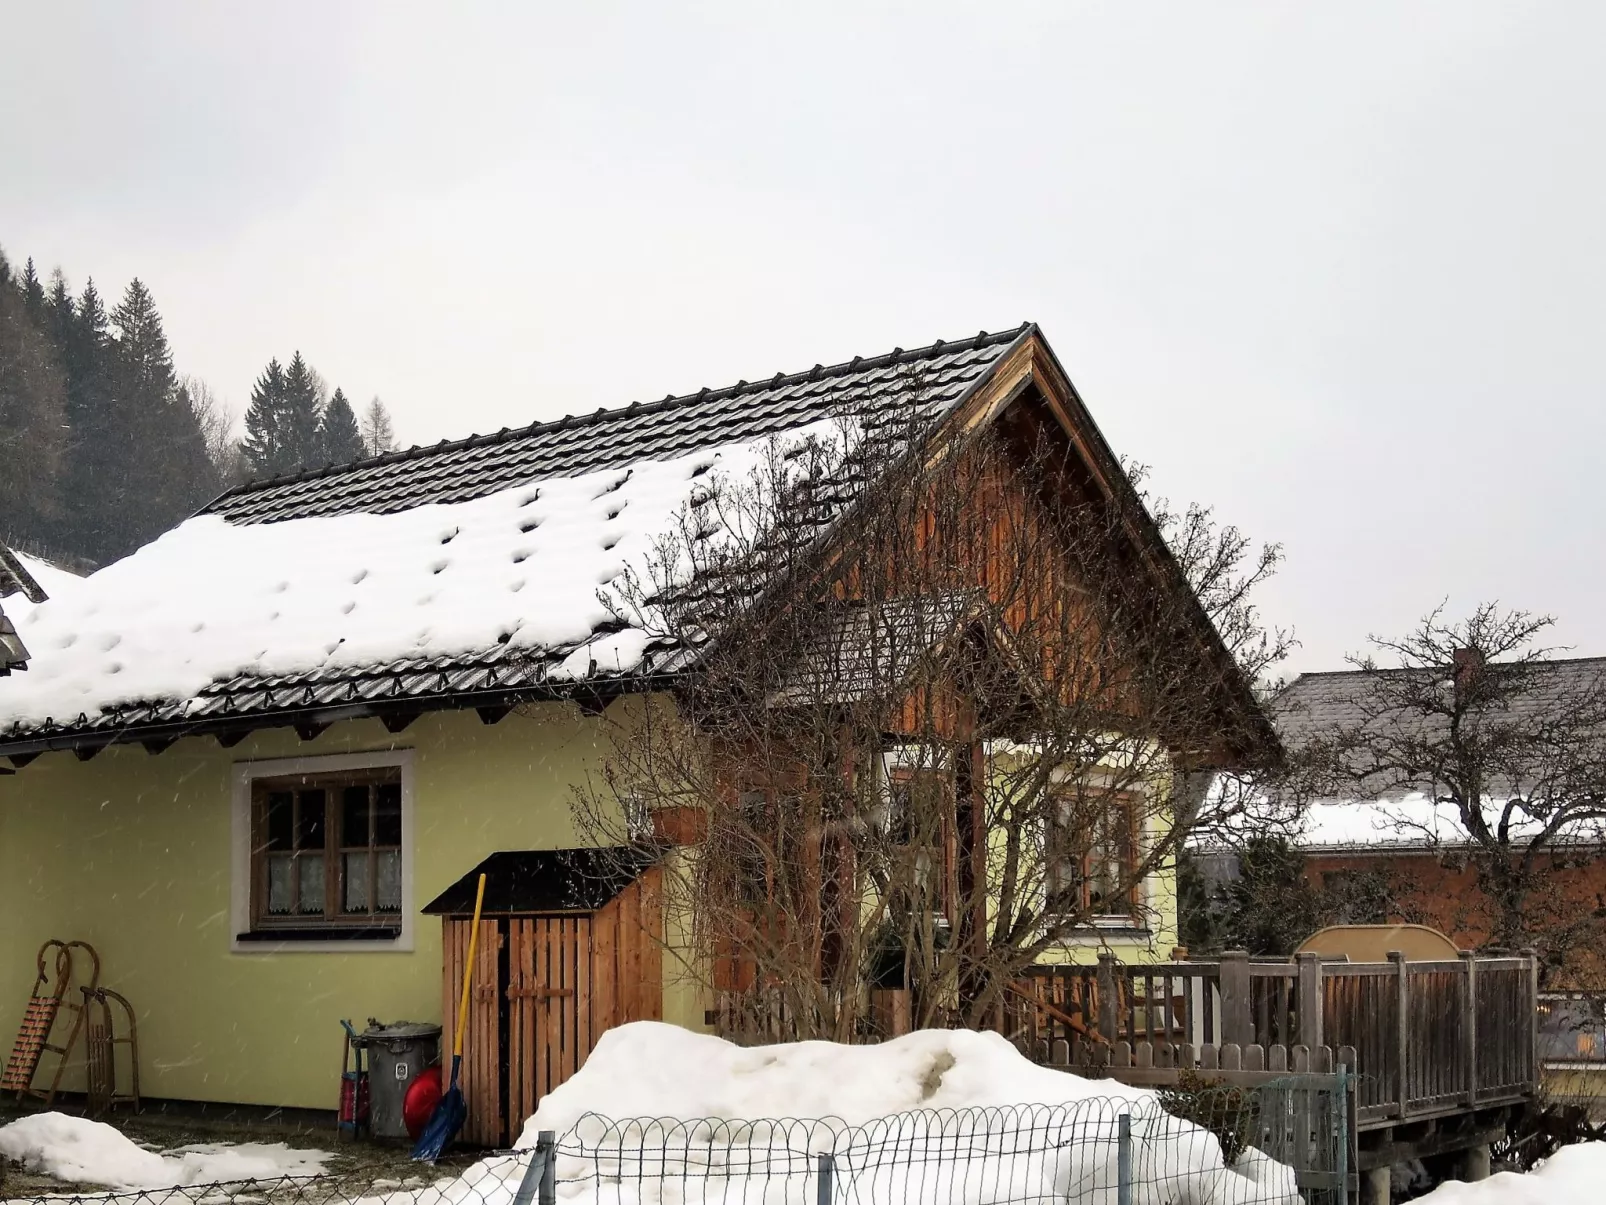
x=16 y=580
x=463 y=574
x=1320 y=706
x=545 y=880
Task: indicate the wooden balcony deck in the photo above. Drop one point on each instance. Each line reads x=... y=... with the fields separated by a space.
x=1425 y=1040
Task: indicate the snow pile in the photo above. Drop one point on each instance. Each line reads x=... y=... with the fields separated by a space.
x=1574 y=1175
x=938 y=1117
x=520 y=568
x=88 y=1152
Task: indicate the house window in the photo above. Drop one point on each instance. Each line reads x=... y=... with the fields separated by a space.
x=919 y=828
x=1092 y=853
x=326 y=851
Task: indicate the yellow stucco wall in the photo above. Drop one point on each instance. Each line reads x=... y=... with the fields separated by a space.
x=131 y=852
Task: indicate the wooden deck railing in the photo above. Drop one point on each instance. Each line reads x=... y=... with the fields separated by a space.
x=1425 y=1038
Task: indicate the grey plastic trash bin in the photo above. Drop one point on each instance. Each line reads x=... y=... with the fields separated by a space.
x=396 y=1054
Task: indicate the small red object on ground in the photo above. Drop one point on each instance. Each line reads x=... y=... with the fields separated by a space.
x=423 y=1094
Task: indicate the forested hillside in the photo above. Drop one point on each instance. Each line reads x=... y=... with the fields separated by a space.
x=104 y=444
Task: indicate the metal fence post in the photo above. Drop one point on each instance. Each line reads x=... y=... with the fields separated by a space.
x=1341 y=1126
x=535 y=1173
x=826 y=1173
x=1123 y=1160
x=546 y=1143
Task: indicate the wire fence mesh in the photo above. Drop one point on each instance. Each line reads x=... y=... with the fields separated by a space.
x=1277 y=1144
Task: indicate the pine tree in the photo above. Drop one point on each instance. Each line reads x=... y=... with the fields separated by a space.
x=264 y=445
x=61 y=313
x=168 y=472
x=91 y=442
x=378 y=435
x=32 y=409
x=342 y=441
x=33 y=295
x=302 y=410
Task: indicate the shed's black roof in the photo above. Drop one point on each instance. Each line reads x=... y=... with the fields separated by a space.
x=545 y=880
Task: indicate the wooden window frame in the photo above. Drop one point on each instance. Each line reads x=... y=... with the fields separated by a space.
x=255 y=932
x=1131 y=915
x=941 y=855
x=333 y=850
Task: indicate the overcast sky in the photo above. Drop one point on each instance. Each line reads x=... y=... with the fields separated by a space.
x=1337 y=271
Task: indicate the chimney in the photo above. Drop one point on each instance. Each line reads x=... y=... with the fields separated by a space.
x=1465 y=665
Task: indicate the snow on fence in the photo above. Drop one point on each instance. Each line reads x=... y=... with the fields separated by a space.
x=1272 y=1145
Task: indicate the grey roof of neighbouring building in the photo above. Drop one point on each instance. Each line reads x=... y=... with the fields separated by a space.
x=1318 y=705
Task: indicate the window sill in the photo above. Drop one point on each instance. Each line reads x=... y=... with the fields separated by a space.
x=1100 y=929
x=390 y=933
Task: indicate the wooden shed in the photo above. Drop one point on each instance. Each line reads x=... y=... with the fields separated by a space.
x=571 y=944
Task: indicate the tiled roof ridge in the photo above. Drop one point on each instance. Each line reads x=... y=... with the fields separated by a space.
x=1418 y=669
x=571 y=421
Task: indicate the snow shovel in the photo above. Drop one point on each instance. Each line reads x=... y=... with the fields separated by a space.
x=450 y=1114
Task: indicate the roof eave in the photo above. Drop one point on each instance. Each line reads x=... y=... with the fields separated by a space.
x=591 y=694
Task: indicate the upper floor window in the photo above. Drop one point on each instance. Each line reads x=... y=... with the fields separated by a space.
x=1092 y=851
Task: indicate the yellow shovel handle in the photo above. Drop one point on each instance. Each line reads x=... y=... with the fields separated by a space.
x=468 y=971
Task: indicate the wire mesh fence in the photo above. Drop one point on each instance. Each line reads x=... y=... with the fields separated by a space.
x=1278 y=1144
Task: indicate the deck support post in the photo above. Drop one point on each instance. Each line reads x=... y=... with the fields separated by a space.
x=1475 y=1163
x=1402 y=1035
x=1469 y=1025
x=1375 y=1186
x=1308 y=1014
x=1109 y=1015
x=1237 y=1021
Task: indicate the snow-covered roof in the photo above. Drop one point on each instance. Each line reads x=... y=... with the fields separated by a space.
x=1404 y=821
x=468 y=570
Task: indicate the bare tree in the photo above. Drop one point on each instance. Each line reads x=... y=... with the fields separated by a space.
x=378 y=434
x=1503 y=741
x=217 y=422
x=923 y=712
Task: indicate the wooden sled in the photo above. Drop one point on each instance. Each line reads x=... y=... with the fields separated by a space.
x=40 y=1019
x=102 y=1043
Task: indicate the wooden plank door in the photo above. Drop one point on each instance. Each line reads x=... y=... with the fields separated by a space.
x=550 y=1014
x=481 y=1077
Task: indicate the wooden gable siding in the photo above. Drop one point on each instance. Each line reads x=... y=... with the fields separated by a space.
x=1004 y=542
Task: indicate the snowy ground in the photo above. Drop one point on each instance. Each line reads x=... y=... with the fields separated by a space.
x=51 y=1160
x=1575 y=1175
x=660 y=1116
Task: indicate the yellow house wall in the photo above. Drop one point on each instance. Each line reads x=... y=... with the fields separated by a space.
x=131 y=852
x=1157 y=934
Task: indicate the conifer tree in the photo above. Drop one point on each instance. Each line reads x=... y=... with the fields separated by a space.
x=61 y=313
x=264 y=444
x=342 y=441
x=33 y=294
x=300 y=416
x=91 y=440
x=169 y=474
x=32 y=409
